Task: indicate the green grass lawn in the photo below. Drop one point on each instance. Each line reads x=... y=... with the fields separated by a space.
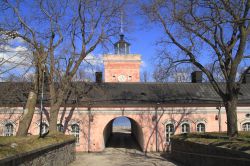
x=13 y=145
x=242 y=143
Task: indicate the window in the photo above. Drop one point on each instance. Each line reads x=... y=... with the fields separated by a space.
x=44 y=128
x=201 y=127
x=60 y=127
x=169 y=131
x=246 y=126
x=185 y=128
x=9 y=129
x=75 y=131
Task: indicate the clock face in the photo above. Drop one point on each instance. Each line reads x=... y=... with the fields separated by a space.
x=122 y=78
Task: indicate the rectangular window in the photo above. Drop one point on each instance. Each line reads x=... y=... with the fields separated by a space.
x=75 y=130
x=169 y=132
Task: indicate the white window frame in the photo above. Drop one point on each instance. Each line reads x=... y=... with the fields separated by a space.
x=246 y=126
x=45 y=127
x=8 y=131
x=76 y=133
x=168 y=134
x=185 y=128
x=198 y=128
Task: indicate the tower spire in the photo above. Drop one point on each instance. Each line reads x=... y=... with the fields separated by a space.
x=121 y=47
x=121 y=26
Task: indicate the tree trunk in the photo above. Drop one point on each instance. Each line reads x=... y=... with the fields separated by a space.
x=54 y=111
x=231 y=109
x=56 y=102
x=29 y=110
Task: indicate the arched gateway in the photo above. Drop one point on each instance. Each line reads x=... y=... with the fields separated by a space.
x=135 y=132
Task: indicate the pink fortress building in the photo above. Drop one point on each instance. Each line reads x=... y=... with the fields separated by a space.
x=156 y=110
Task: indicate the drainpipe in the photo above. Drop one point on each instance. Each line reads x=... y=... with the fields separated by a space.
x=156 y=127
x=89 y=127
x=41 y=106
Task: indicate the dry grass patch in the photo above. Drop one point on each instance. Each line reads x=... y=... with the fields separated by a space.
x=242 y=143
x=10 y=146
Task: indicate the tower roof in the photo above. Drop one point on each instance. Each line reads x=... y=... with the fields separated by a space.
x=122 y=40
x=122 y=46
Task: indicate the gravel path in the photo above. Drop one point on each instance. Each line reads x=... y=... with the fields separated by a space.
x=121 y=150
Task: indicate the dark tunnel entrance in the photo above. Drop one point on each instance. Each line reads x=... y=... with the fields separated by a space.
x=123 y=133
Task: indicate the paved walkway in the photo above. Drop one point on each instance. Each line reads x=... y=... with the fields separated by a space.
x=121 y=150
x=120 y=158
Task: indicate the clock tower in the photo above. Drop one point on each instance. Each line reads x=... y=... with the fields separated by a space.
x=122 y=66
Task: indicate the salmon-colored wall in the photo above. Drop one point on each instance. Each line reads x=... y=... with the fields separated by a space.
x=126 y=65
x=142 y=117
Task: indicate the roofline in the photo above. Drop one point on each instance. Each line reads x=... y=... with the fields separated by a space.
x=143 y=83
x=131 y=105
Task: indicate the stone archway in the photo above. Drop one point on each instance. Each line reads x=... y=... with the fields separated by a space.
x=136 y=133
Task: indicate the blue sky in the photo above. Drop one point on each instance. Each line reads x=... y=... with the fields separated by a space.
x=143 y=36
x=138 y=33
x=122 y=121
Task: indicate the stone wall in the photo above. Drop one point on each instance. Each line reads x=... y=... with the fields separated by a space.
x=195 y=154
x=60 y=154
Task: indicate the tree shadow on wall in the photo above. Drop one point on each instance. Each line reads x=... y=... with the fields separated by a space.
x=73 y=98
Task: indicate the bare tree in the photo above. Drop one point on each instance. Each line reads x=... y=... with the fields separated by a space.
x=88 y=68
x=38 y=33
x=12 y=57
x=144 y=76
x=60 y=35
x=165 y=73
x=92 y=24
x=219 y=27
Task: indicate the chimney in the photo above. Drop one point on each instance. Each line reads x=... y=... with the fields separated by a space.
x=98 y=77
x=196 y=77
x=246 y=79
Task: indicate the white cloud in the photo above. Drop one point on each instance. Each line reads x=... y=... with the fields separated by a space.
x=93 y=63
x=14 y=57
x=143 y=64
x=95 y=60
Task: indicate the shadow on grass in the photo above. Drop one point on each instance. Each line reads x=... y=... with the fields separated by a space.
x=168 y=157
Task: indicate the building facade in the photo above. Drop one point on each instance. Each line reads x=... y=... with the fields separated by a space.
x=156 y=110
x=122 y=66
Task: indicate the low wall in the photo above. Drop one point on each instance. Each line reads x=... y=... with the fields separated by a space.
x=53 y=155
x=194 y=154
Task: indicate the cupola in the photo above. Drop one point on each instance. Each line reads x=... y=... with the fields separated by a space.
x=121 y=47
